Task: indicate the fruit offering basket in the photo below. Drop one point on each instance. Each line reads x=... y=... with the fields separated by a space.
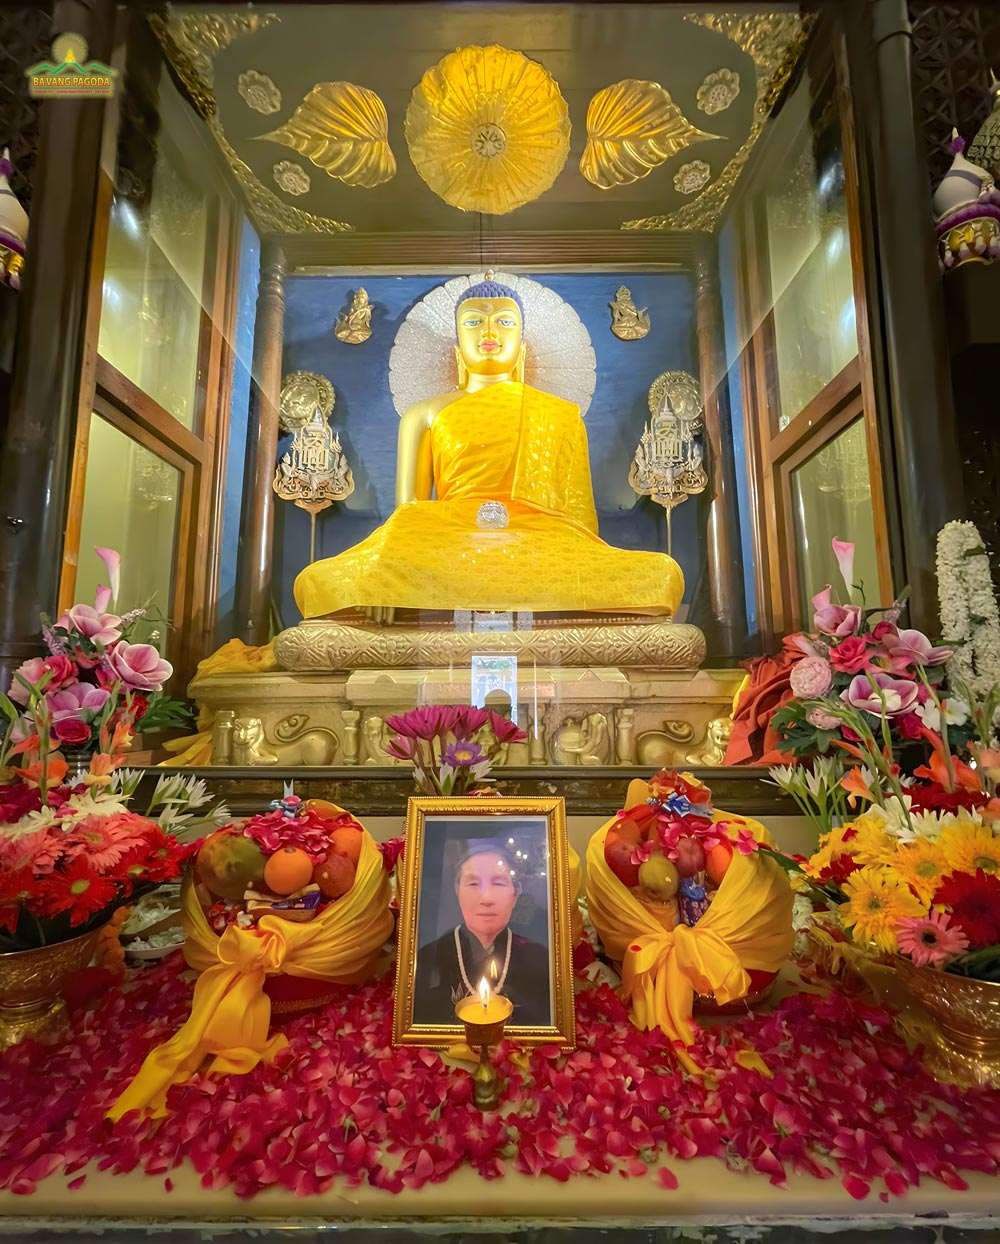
x=680 y=895
x=277 y=910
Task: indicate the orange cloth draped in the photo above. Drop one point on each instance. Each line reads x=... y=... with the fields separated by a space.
x=230 y=1013
x=234 y=657
x=528 y=449
x=748 y=926
x=752 y=740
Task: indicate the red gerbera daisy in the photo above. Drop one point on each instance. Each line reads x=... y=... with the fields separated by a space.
x=974 y=902
x=78 y=891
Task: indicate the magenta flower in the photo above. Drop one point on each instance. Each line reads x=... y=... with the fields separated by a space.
x=837 y=620
x=931 y=939
x=844 y=553
x=100 y=628
x=432 y=721
x=914 y=648
x=139 y=666
x=811 y=678
x=880 y=693
x=850 y=656
x=80 y=702
x=401 y=747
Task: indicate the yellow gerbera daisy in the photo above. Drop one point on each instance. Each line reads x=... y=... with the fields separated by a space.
x=876 y=901
x=922 y=865
x=970 y=846
x=871 y=844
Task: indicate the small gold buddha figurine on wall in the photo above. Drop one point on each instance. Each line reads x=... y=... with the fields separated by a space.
x=494 y=505
x=628 y=323
x=355 y=325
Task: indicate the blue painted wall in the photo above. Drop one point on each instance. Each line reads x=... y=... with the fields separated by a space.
x=239 y=404
x=367 y=422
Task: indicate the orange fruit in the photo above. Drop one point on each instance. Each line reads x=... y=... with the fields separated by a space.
x=335 y=875
x=288 y=870
x=717 y=861
x=347 y=840
x=229 y=863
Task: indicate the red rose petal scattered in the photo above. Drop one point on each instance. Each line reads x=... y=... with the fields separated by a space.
x=845 y=1099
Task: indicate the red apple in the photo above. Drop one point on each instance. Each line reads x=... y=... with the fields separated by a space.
x=690 y=857
x=618 y=856
x=717 y=861
x=334 y=875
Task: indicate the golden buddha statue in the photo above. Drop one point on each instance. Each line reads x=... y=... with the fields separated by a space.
x=494 y=505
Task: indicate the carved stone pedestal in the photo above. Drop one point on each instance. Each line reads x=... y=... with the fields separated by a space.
x=574 y=716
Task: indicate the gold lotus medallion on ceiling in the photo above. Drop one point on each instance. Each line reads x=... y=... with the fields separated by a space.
x=488 y=129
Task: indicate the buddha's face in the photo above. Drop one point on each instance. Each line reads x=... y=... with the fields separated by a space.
x=489 y=335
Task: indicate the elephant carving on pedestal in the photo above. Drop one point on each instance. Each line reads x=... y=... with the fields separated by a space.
x=582 y=741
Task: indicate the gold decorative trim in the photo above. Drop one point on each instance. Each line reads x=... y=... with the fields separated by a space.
x=191 y=42
x=775 y=42
x=562 y=904
x=324 y=644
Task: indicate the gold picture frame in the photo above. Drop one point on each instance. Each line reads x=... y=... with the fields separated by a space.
x=473 y=820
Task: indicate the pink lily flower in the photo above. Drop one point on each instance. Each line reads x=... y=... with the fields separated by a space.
x=889 y=695
x=112 y=564
x=838 y=620
x=844 y=553
x=78 y=701
x=914 y=648
x=101 y=628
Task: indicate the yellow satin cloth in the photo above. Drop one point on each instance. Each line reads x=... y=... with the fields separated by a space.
x=528 y=449
x=747 y=926
x=230 y=1014
x=234 y=657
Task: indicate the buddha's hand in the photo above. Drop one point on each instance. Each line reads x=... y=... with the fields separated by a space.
x=383 y=614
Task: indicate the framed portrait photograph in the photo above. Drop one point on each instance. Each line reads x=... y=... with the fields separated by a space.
x=485 y=896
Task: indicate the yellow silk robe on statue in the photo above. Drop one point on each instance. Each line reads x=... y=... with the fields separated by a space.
x=528 y=449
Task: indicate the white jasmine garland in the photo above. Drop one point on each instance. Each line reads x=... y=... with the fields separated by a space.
x=970 y=621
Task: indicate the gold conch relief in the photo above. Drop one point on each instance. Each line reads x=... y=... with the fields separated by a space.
x=632 y=127
x=488 y=129
x=342 y=129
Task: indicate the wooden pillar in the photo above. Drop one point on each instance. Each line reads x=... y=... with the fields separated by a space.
x=725 y=559
x=252 y=613
x=924 y=445
x=34 y=467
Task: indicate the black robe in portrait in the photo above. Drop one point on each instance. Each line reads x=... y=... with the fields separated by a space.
x=438 y=983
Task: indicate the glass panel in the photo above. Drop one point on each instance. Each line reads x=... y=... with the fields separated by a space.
x=151 y=315
x=831 y=497
x=131 y=503
x=815 y=333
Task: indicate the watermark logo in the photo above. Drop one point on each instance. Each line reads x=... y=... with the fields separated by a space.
x=71 y=75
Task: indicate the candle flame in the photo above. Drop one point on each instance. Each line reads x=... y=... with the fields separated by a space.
x=484 y=992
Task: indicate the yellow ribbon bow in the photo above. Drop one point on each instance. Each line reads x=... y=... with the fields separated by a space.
x=230 y=1013
x=748 y=926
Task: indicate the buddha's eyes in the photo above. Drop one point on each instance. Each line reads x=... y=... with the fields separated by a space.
x=472 y=321
x=507 y=322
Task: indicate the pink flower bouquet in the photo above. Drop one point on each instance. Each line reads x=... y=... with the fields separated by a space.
x=93 y=681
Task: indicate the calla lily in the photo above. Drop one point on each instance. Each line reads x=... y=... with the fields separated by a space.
x=112 y=564
x=844 y=553
x=102 y=599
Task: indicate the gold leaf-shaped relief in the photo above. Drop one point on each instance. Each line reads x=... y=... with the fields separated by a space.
x=632 y=127
x=344 y=130
x=488 y=129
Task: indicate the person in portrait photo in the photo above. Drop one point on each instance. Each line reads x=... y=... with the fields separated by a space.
x=482 y=943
